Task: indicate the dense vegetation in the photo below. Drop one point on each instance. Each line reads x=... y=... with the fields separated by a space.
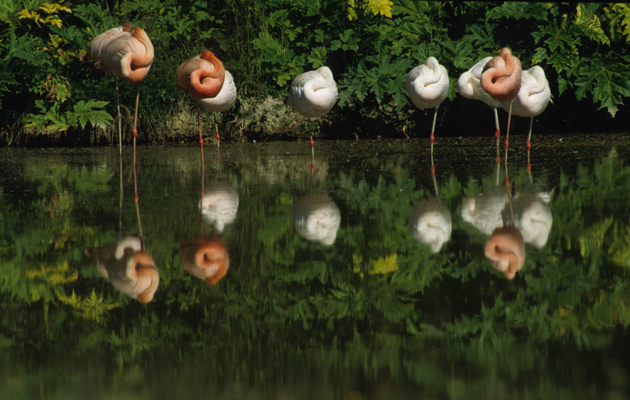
x=45 y=92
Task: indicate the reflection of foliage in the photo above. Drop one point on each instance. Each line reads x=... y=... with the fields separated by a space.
x=92 y=308
x=283 y=290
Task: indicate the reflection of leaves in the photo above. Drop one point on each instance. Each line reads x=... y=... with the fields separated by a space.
x=92 y=308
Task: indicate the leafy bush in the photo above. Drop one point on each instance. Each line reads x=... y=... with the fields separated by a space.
x=370 y=45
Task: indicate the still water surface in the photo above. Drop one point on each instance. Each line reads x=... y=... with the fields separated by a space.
x=321 y=281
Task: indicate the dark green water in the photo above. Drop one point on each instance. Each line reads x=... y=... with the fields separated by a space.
x=328 y=294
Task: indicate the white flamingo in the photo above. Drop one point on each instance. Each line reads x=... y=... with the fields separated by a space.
x=532 y=98
x=427 y=86
x=313 y=94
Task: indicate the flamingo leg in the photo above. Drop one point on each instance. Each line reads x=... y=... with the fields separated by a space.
x=200 y=136
x=119 y=116
x=433 y=138
x=507 y=145
x=216 y=127
x=135 y=122
x=497 y=134
x=310 y=123
x=529 y=138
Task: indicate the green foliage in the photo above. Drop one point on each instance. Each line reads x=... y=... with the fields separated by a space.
x=369 y=45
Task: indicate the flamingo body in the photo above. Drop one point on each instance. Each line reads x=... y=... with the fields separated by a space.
x=430 y=223
x=501 y=76
x=505 y=249
x=130 y=269
x=201 y=76
x=205 y=258
x=427 y=84
x=225 y=99
x=129 y=56
x=313 y=93
x=317 y=218
x=469 y=84
x=534 y=94
x=490 y=211
x=219 y=205
x=98 y=44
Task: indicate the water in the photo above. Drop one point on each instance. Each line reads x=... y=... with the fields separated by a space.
x=349 y=306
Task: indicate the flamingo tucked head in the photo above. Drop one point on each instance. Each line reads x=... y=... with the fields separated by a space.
x=142 y=268
x=501 y=77
x=427 y=84
x=207 y=259
x=505 y=249
x=201 y=76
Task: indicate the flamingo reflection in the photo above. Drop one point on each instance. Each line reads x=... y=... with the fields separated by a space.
x=430 y=221
x=205 y=257
x=317 y=218
x=130 y=269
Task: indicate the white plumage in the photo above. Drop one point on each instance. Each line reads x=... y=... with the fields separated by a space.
x=427 y=84
x=430 y=223
x=219 y=205
x=534 y=95
x=490 y=210
x=314 y=93
x=317 y=218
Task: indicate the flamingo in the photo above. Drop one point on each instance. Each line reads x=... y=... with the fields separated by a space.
x=313 y=94
x=427 y=86
x=94 y=53
x=317 y=218
x=505 y=249
x=430 y=223
x=130 y=269
x=469 y=86
x=501 y=78
x=207 y=81
x=205 y=258
x=532 y=99
x=130 y=56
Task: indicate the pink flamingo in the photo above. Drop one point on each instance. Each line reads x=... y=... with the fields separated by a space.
x=95 y=50
x=501 y=78
x=206 y=80
x=205 y=258
x=505 y=249
x=130 y=56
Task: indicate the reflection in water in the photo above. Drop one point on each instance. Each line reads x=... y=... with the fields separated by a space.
x=205 y=258
x=128 y=268
x=426 y=322
x=219 y=205
x=505 y=250
x=430 y=221
x=317 y=218
x=490 y=210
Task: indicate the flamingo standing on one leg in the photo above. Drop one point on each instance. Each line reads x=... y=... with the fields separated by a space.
x=94 y=53
x=223 y=101
x=204 y=78
x=532 y=99
x=469 y=86
x=313 y=94
x=427 y=85
x=501 y=78
x=130 y=56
